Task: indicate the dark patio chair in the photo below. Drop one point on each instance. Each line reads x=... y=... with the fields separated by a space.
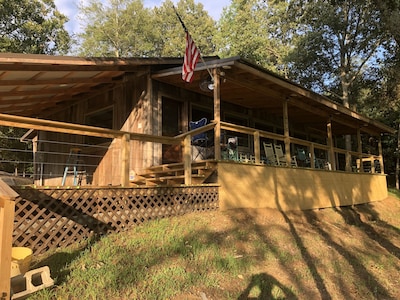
x=199 y=141
x=303 y=158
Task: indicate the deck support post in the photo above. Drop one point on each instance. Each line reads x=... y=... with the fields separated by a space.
x=217 y=115
x=331 y=156
x=7 y=209
x=187 y=159
x=257 y=147
x=286 y=132
x=125 y=155
x=380 y=154
x=359 y=150
x=312 y=156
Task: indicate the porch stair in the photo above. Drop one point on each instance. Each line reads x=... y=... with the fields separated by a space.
x=170 y=174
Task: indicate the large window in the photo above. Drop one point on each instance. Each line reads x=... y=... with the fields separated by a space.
x=101 y=118
x=243 y=139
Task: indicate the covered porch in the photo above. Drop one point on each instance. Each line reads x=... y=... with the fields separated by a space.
x=242 y=102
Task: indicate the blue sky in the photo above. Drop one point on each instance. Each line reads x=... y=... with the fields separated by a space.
x=70 y=9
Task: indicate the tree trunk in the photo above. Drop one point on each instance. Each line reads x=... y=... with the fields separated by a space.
x=398 y=159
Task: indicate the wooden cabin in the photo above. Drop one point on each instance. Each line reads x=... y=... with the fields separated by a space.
x=126 y=122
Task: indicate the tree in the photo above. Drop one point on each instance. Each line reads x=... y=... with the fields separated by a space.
x=257 y=30
x=171 y=36
x=118 y=28
x=32 y=26
x=339 y=46
x=111 y=30
x=388 y=108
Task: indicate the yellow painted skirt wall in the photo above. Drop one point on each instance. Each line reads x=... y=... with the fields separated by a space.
x=251 y=186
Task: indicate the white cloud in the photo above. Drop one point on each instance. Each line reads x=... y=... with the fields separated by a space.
x=70 y=9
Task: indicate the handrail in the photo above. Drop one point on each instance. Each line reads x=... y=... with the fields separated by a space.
x=196 y=131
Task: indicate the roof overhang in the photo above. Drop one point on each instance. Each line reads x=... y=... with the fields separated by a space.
x=38 y=85
x=250 y=86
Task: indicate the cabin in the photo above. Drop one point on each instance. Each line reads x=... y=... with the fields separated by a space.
x=133 y=122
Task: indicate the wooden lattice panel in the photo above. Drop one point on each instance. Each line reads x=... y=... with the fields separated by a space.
x=47 y=218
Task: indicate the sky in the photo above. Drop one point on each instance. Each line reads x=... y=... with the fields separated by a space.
x=70 y=9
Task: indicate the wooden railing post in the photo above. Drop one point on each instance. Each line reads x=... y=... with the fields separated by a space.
x=286 y=132
x=187 y=159
x=312 y=156
x=257 y=147
x=7 y=208
x=331 y=156
x=380 y=154
x=217 y=116
x=125 y=156
x=359 y=150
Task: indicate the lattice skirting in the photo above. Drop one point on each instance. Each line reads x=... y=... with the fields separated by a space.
x=48 y=218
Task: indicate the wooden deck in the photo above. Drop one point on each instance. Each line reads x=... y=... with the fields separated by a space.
x=251 y=185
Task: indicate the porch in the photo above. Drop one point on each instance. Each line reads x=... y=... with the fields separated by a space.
x=142 y=112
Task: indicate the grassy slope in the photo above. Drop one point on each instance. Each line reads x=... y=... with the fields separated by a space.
x=347 y=253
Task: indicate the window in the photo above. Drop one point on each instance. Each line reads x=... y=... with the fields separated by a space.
x=243 y=139
x=101 y=118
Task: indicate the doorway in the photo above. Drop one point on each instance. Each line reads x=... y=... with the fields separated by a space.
x=171 y=126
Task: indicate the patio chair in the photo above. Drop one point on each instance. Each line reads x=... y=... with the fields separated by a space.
x=199 y=141
x=232 y=149
x=270 y=154
x=302 y=158
x=281 y=158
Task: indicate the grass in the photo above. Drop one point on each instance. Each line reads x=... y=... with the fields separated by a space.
x=347 y=253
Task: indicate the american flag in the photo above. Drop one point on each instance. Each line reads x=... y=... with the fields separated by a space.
x=192 y=55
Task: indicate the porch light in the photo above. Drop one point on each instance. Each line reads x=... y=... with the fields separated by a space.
x=207 y=84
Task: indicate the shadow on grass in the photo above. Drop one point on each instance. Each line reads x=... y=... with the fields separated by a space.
x=132 y=265
x=59 y=262
x=264 y=284
x=355 y=216
x=371 y=283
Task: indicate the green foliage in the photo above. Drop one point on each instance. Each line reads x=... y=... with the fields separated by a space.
x=14 y=154
x=124 y=28
x=339 y=44
x=257 y=30
x=32 y=26
x=117 y=28
x=171 y=36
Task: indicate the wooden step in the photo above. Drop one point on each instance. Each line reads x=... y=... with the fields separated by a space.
x=174 y=174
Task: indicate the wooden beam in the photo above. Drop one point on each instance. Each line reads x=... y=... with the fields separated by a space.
x=359 y=149
x=69 y=128
x=41 y=59
x=380 y=154
x=217 y=115
x=62 y=81
x=257 y=151
x=7 y=208
x=331 y=151
x=187 y=159
x=286 y=132
x=125 y=155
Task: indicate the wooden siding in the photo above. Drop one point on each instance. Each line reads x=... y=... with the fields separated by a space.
x=128 y=102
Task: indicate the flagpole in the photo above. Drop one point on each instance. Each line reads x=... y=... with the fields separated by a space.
x=186 y=31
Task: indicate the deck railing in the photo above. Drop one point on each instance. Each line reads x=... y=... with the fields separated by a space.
x=335 y=159
x=330 y=158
